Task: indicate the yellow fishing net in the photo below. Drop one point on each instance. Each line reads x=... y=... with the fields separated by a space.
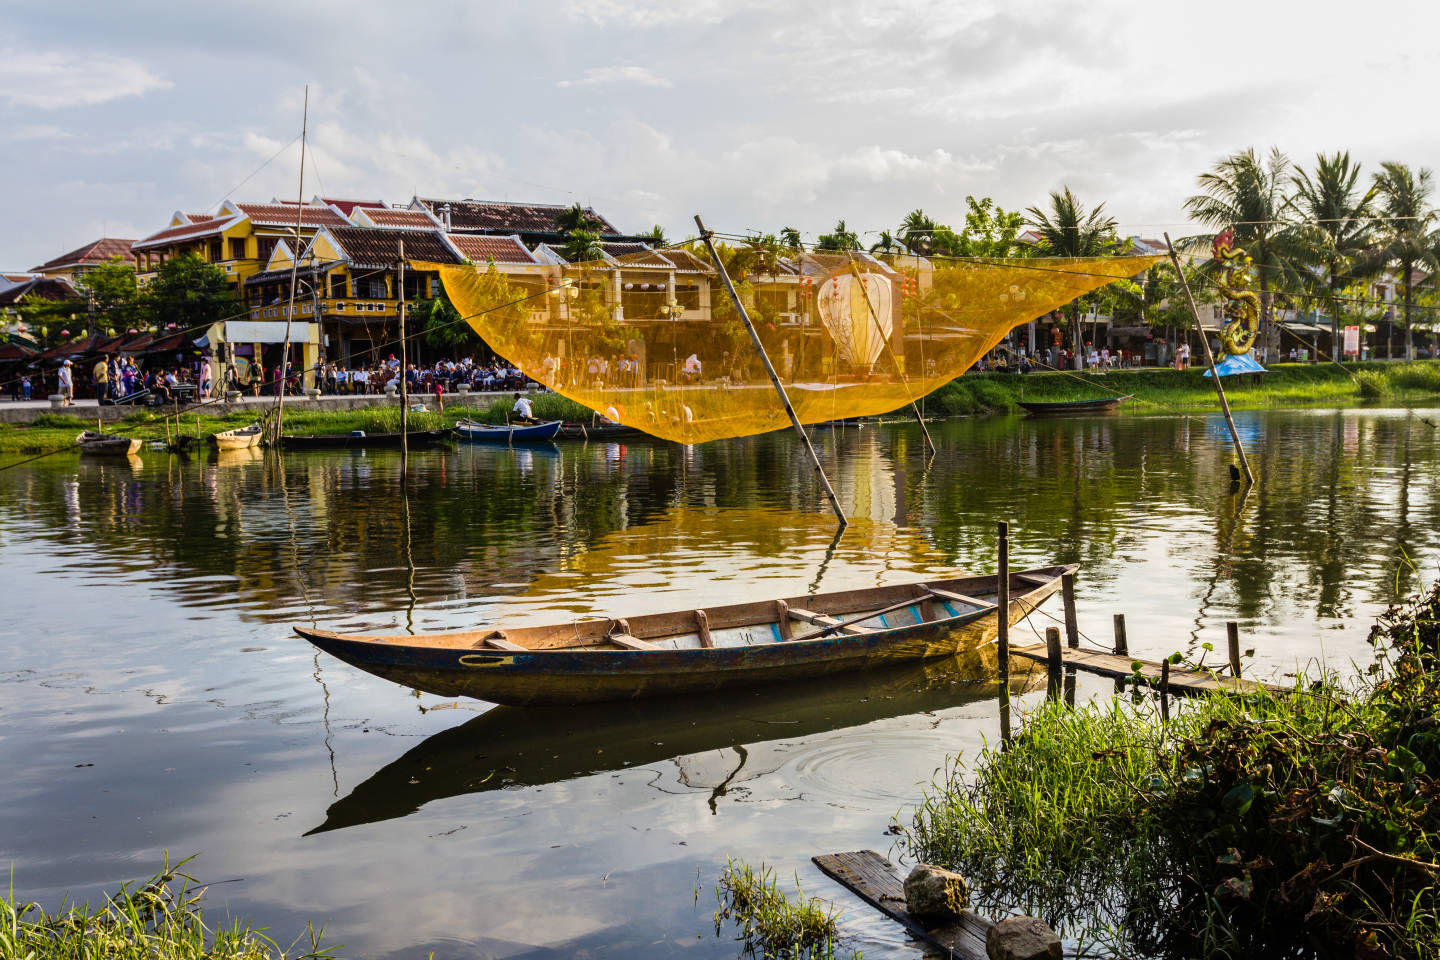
x=649 y=338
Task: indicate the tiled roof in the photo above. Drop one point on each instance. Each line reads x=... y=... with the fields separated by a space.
x=186 y=231
x=412 y=219
x=507 y=217
x=16 y=277
x=39 y=288
x=479 y=249
x=373 y=247
x=687 y=262
x=200 y=217
x=283 y=215
x=347 y=207
x=97 y=252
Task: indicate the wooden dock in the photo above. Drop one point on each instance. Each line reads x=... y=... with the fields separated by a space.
x=871 y=878
x=1122 y=667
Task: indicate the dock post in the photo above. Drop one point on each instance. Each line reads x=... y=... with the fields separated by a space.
x=1002 y=624
x=1067 y=594
x=1122 y=648
x=1165 y=690
x=1232 y=635
x=1054 y=661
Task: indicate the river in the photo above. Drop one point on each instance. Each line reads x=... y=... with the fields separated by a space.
x=153 y=698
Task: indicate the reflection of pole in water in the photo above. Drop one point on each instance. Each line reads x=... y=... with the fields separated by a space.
x=329 y=736
x=825 y=561
x=409 y=557
x=724 y=786
x=1222 y=565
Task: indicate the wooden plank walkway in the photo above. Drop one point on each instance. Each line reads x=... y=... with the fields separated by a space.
x=871 y=877
x=1121 y=666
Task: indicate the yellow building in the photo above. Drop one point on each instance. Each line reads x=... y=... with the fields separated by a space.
x=239 y=238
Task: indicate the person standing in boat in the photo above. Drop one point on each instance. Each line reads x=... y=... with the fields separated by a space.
x=521 y=410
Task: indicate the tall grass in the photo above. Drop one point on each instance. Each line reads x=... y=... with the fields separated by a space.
x=159 y=919
x=769 y=922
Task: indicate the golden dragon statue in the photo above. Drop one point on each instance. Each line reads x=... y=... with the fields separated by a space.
x=1243 y=310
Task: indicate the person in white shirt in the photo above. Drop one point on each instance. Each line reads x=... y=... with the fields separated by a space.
x=67 y=384
x=521 y=409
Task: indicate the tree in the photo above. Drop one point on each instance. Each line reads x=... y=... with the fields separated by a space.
x=790 y=238
x=917 y=231
x=657 y=236
x=189 y=293
x=1339 y=212
x=115 y=293
x=1247 y=195
x=444 y=330
x=1406 y=237
x=575 y=217
x=990 y=231
x=886 y=244
x=1067 y=230
x=839 y=239
x=583 y=245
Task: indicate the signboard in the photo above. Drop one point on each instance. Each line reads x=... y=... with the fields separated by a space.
x=1352 y=340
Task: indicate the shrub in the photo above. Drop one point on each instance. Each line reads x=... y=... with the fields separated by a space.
x=1372 y=384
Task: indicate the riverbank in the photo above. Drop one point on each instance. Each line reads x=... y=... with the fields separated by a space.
x=1302 y=824
x=1166 y=390
x=50 y=431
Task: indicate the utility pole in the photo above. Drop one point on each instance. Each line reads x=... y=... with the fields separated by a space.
x=404 y=365
x=294 y=268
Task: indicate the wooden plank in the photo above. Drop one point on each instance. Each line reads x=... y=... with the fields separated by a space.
x=498 y=641
x=961 y=598
x=702 y=627
x=630 y=643
x=871 y=878
x=782 y=619
x=1181 y=681
x=1032 y=579
x=848 y=626
x=831 y=624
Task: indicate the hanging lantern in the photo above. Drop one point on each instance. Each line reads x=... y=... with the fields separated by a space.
x=132 y=331
x=856 y=313
x=64 y=333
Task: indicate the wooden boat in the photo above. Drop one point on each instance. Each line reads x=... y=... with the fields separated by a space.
x=106 y=444
x=343 y=441
x=698 y=650
x=598 y=431
x=237 y=439
x=1073 y=408
x=506 y=433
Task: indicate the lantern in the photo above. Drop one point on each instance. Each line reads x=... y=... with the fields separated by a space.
x=856 y=313
x=64 y=333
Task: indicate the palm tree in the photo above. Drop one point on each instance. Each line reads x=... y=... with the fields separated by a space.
x=840 y=238
x=1247 y=194
x=583 y=245
x=790 y=237
x=1407 y=237
x=656 y=236
x=886 y=244
x=1340 y=213
x=917 y=231
x=575 y=217
x=1067 y=230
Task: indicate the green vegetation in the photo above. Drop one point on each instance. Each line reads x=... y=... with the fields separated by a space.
x=50 y=431
x=160 y=918
x=1303 y=824
x=769 y=923
x=1165 y=390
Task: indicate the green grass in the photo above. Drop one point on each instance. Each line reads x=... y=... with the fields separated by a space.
x=1301 y=824
x=160 y=918
x=1161 y=390
x=769 y=923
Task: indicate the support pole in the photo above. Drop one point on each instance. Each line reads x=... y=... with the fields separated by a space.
x=1072 y=624
x=706 y=236
x=1002 y=598
x=294 y=269
x=404 y=365
x=1232 y=636
x=1054 y=662
x=1210 y=359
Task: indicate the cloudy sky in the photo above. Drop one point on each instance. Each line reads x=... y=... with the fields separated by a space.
x=757 y=115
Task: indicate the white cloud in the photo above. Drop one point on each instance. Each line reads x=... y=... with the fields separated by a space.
x=55 y=80
x=36 y=132
x=635 y=76
x=651 y=13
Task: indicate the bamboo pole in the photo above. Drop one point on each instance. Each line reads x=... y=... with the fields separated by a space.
x=707 y=237
x=1210 y=360
x=875 y=318
x=294 y=269
x=1054 y=661
x=1232 y=637
x=1067 y=595
x=1002 y=597
x=404 y=365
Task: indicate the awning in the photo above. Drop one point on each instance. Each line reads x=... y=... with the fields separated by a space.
x=266 y=331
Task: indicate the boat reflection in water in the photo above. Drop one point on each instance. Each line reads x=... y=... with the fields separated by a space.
x=510 y=746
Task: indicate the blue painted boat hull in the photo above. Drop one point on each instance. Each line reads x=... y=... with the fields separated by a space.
x=514 y=434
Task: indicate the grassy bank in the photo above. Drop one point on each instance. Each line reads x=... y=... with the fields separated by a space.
x=159 y=918
x=50 y=431
x=1301 y=825
x=1159 y=390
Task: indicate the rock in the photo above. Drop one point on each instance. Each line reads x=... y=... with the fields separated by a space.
x=933 y=894
x=1022 y=938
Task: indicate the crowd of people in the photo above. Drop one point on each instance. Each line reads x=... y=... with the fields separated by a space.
x=339 y=379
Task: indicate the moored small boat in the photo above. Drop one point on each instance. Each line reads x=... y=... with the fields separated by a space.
x=1073 y=408
x=477 y=432
x=343 y=441
x=237 y=439
x=106 y=444
x=598 y=431
x=691 y=651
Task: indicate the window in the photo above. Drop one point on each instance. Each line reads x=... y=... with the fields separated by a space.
x=264 y=246
x=372 y=287
x=217 y=251
x=689 y=295
x=341 y=306
x=237 y=248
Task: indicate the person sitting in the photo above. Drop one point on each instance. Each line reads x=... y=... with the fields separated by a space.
x=521 y=410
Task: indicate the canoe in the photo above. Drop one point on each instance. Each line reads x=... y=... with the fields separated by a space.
x=343 y=441
x=106 y=444
x=237 y=439
x=506 y=433
x=1073 y=408
x=598 y=431
x=691 y=651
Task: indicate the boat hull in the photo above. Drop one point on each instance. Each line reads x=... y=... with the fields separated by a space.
x=237 y=439
x=564 y=676
x=479 y=433
x=343 y=441
x=1072 y=408
x=107 y=446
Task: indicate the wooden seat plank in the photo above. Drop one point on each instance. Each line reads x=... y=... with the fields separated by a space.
x=871 y=877
x=962 y=598
x=630 y=643
x=497 y=640
x=822 y=620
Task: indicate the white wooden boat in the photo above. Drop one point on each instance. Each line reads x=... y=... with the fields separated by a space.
x=237 y=439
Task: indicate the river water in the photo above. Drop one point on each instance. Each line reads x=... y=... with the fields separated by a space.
x=153 y=698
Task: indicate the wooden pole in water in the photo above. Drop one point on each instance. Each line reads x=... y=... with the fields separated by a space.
x=1165 y=690
x=707 y=236
x=294 y=269
x=1210 y=360
x=404 y=365
x=1054 y=661
x=1002 y=599
x=1232 y=636
x=1122 y=645
x=1067 y=594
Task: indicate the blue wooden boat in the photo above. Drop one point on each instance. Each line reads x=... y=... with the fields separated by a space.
x=692 y=651
x=507 y=433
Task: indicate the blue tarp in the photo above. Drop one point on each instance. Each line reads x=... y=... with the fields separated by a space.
x=1237 y=363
